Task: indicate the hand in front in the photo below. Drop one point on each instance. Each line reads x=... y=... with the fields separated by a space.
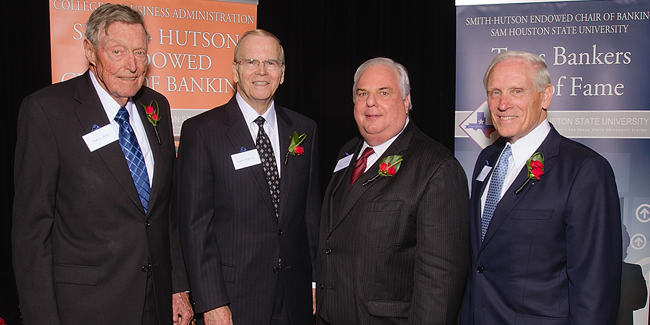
x=182 y=309
x=218 y=316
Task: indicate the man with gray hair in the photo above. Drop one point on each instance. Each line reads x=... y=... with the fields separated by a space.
x=393 y=245
x=95 y=237
x=249 y=198
x=544 y=217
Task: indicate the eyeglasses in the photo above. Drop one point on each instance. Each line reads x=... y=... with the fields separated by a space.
x=271 y=64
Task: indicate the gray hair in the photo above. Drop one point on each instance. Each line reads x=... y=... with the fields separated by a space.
x=541 y=77
x=107 y=14
x=259 y=32
x=402 y=76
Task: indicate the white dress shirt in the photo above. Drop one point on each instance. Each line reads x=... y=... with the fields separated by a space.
x=379 y=149
x=111 y=107
x=522 y=150
x=270 y=126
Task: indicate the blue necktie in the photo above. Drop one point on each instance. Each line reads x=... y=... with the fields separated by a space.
x=134 y=157
x=494 y=192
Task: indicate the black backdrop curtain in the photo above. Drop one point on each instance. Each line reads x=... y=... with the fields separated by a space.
x=324 y=41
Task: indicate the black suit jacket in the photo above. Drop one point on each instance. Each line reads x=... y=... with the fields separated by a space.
x=80 y=235
x=231 y=237
x=552 y=253
x=395 y=251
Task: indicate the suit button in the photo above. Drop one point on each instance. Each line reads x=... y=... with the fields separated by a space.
x=146 y=268
x=322 y=287
x=480 y=269
x=276 y=269
x=279 y=232
x=146 y=224
x=328 y=251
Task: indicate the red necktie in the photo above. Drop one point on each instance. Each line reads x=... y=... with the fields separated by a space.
x=360 y=165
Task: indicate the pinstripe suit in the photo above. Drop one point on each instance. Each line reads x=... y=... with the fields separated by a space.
x=229 y=231
x=395 y=251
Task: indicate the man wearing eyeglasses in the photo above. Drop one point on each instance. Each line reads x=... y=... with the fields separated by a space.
x=249 y=198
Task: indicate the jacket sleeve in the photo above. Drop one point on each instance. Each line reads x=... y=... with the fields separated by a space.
x=36 y=174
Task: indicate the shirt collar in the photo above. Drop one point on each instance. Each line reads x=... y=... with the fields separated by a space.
x=250 y=114
x=110 y=105
x=526 y=146
x=380 y=149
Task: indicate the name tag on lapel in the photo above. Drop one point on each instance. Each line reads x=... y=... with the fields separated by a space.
x=343 y=162
x=246 y=159
x=100 y=137
x=486 y=170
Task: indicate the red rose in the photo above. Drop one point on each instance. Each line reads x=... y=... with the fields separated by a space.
x=149 y=109
x=154 y=116
x=391 y=171
x=537 y=168
x=299 y=150
x=383 y=166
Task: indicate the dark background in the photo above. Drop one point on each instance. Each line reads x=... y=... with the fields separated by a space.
x=324 y=42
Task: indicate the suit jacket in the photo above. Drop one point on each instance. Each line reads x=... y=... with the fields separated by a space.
x=231 y=237
x=395 y=251
x=552 y=253
x=80 y=235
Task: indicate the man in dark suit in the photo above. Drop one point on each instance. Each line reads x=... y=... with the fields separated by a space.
x=393 y=237
x=545 y=221
x=250 y=199
x=90 y=246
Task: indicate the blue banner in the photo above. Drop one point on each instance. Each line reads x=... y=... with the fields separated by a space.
x=598 y=55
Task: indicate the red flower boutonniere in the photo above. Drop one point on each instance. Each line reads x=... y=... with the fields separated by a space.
x=294 y=147
x=152 y=116
x=387 y=168
x=152 y=113
x=390 y=165
x=535 y=165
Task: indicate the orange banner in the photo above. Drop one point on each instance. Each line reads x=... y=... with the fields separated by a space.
x=190 y=52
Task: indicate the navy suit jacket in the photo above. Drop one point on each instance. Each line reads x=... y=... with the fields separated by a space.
x=231 y=237
x=552 y=253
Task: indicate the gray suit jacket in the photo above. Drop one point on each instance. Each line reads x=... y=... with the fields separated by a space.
x=396 y=250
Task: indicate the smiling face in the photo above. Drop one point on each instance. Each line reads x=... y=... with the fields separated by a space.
x=516 y=106
x=257 y=86
x=379 y=109
x=119 y=61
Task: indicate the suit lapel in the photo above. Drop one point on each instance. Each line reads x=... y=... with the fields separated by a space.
x=549 y=148
x=398 y=147
x=91 y=112
x=286 y=171
x=478 y=188
x=240 y=136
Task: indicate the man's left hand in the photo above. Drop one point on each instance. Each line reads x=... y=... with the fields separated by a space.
x=313 y=302
x=182 y=309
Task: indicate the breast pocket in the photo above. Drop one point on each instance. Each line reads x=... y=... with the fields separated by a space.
x=531 y=214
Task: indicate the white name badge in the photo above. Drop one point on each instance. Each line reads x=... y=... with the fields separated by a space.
x=343 y=162
x=245 y=159
x=100 y=137
x=486 y=170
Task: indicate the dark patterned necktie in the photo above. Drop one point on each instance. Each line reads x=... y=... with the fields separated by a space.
x=360 y=165
x=269 y=164
x=494 y=192
x=134 y=157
